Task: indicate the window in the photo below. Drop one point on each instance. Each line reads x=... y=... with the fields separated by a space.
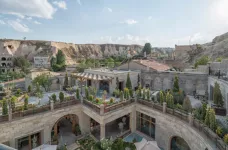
x=145 y=124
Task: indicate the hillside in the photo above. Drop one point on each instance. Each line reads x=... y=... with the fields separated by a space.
x=29 y=49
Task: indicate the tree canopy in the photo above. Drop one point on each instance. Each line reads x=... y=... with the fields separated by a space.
x=218 y=100
x=58 y=63
x=22 y=63
x=147 y=48
x=43 y=80
x=202 y=61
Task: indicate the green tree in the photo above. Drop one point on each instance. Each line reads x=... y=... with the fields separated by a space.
x=53 y=97
x=207 y=117
x=147 y=48
x=53 y=61
x=169 y=100
x=77 y=94
x=38 y=91
x=161 y=97
x=121 y=96
x=29 y=89
x=61 y=96
x=60 y=58
x=202 y=61
x=66 y=80
x=226 y=138
x=13 y=101
x=4 y=107
x=87 y=93
x=219 y=59
x=148 y=94
x=26 y=102
x=128 y=83
x=176 y=85
x=43 y=80
x=187 y=105
x=218 y=100
x=22 y=63
x=212 y=119
x=219 y=131
x=144 y=93
x=204 y=110
x=126 y=93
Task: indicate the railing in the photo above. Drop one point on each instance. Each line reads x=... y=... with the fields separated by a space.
x=4 y=118
x=94 y=107
x=36 y=110
x=117 y=105
x=196 y=123
x=151 y=104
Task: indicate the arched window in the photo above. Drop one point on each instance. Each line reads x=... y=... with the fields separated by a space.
x=178 y=143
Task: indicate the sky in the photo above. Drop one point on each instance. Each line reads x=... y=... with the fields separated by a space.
x=163 y=23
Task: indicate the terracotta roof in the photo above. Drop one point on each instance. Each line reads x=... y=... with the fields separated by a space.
x=153 y=64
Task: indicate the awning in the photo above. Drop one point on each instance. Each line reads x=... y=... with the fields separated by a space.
x=91 y=76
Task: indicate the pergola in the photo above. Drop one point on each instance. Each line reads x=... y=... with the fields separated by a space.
x=91 y=76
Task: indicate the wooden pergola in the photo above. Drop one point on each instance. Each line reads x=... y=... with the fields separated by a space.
x=91 y=76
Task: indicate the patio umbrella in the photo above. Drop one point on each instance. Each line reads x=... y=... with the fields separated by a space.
x=141 y=144
x=46 y=147
x=151 y=145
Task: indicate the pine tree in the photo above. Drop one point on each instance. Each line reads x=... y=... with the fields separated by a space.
x=204 y=111
x=187 y=104
x=176 y=84
x=26 y=102
x=4 y=107
x=207 y=117
x=29 y=89
x=169 y=100
x=53 y=97
x=161 y=97
x=128 y=83
x=12 y=101
x=218 y=100
x=77 y=94
x=66 y=80
x=61 y=96
x=212 y=119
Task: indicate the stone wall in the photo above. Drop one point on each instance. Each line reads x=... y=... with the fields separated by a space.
x=189 y=82
x=169 y=126
x=166 y=126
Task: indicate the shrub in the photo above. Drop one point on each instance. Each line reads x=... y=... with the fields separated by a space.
x=61 y=96
x=161 y=97
x=4 y=107
x=12 y=101
x=131 y=93
x=91 y=98
x=116 y=93
x=53 y=97
x=169 y=100
x=121 y=96
x=97 y=100
x=111 y=100
x=77 y=94
x=144 y=93
x=87 y=93
x=176 y=84
x=187 y=105
x=26 y=102
x=218 y=100
x=18 y=93
x=126 y=93
x=219 y=131
x=128 y=83
x=29 y=89
x=178 y=106
x=104 y=94
x=226 y=138
x=148 y=94
x=210 y=120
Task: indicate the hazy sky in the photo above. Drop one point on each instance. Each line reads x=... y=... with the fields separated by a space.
x=160 y=22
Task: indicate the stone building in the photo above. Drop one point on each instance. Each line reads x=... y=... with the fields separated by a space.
x=190 y=82
x=181 y=51
x=6 y=59
x=41 y=61
x=149 y=65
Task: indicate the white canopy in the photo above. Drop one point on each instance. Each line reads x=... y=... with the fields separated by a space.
x=91 y=76
x=46 y=147
x=146 y=145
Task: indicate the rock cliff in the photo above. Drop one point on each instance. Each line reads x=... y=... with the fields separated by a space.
x=29 y=49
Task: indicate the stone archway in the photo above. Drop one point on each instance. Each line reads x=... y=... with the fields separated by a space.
x=178 y=143
x=157 y=83
x=64 y=127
